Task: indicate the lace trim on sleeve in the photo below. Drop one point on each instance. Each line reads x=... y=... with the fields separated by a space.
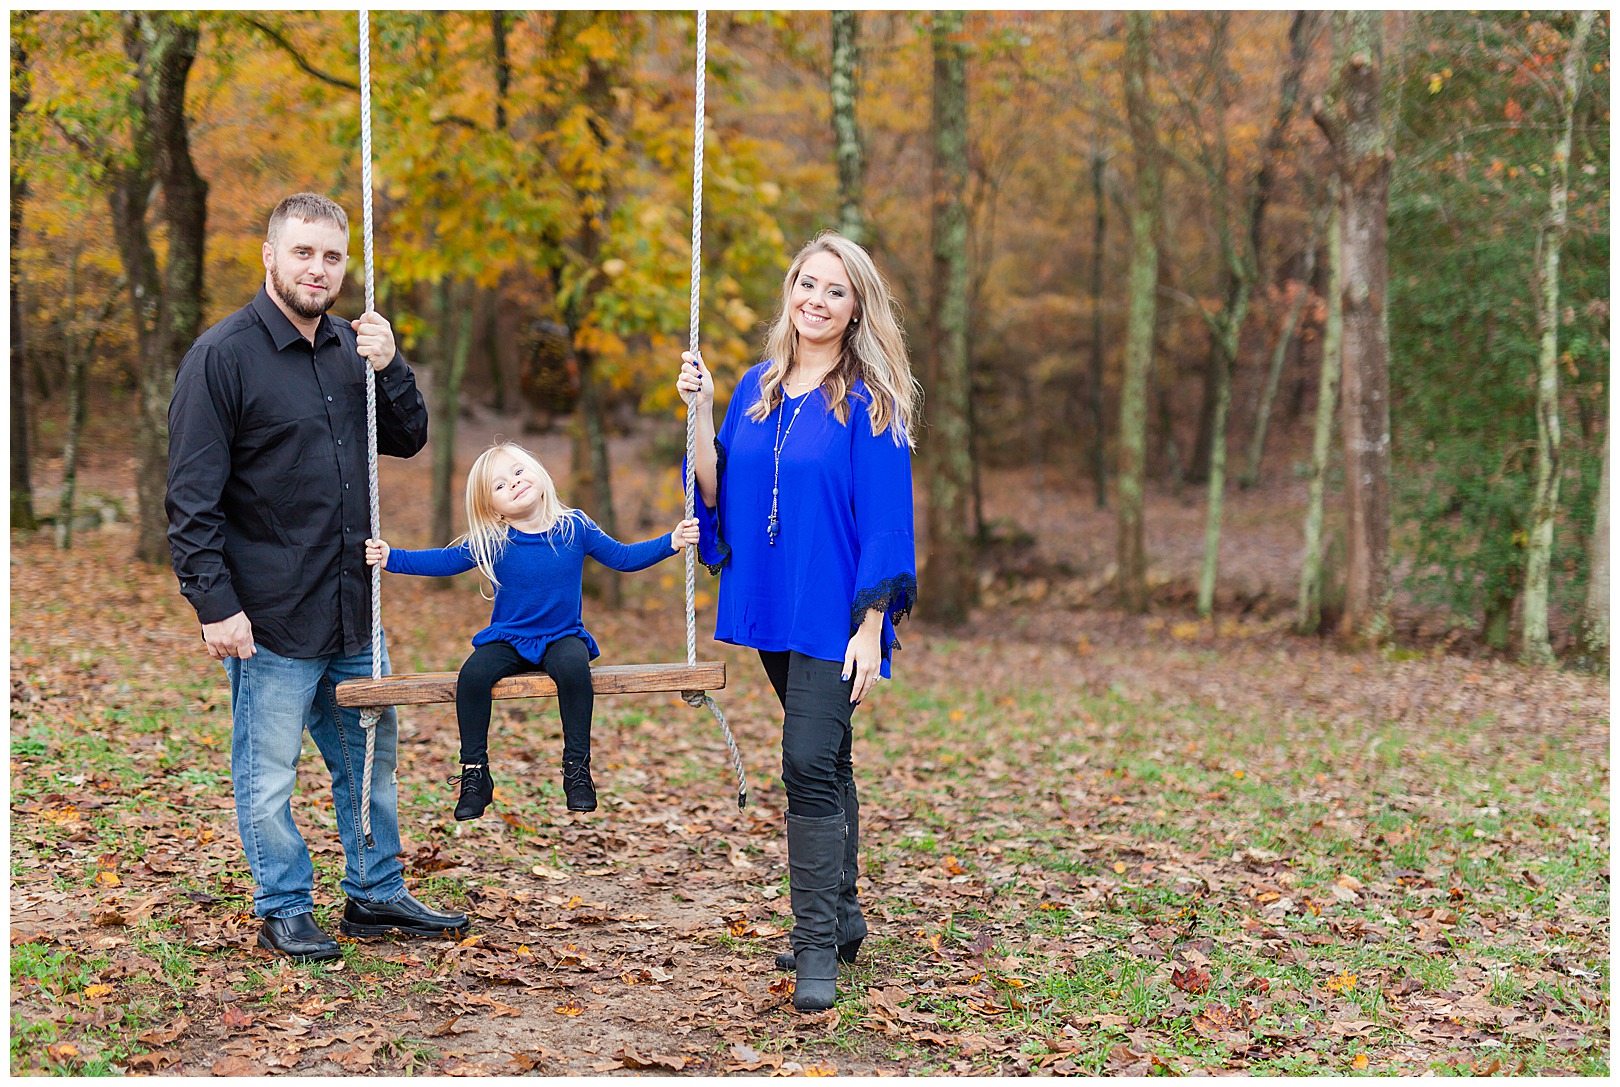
x=894 y=595
x=721 y=548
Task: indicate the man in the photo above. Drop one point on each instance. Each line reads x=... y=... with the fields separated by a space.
x=268 y=512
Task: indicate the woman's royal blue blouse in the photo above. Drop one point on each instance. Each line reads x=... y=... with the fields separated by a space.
x=846 y=541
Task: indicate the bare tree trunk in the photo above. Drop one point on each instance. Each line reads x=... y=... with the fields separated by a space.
x=503 y=81
x=1238 y=275
x=593 y=471
x=1094 y=377
x=166 y=304
x=1592 y=638
x=1143 y=299
x=950 y=439
x=22 y=489
x=1549 y=436
x=1363 y=154
x=448 y=372
x=1310 y=573
x=846 y=133
x=1257 y=440
x=79 y=357
x=1241 y=266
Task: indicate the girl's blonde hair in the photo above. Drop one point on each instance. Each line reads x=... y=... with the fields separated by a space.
x=874 y=346
x=487 y=531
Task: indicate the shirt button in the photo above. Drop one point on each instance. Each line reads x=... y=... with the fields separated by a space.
x=340 y=441
x=345 y=486
x=329 y=400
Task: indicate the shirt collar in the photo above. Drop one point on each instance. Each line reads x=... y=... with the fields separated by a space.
x=282 y=331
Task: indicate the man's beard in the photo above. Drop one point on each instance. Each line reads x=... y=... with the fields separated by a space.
x=288 y=294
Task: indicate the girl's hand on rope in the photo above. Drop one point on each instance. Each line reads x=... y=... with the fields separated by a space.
x=863 y=660
x=375 y=339
x=377 y=553
x=696 y=384
x=684 y=535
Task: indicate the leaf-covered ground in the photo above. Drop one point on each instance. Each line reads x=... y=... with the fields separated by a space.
x=1094 y=843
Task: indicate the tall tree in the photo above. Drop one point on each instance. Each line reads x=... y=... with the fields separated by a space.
x=492 y=309
x=949 y=442
x=1549 y=437
x=453 y=312
x=22 y=492
x=593 y=472
x=1094 y=375
x=1309 y=617
x=1351 y=118
x=1592 y=636
x=1240 y=261
x=1146 y=210
x=165 y=297
x=846 y=132
x=1279 y=354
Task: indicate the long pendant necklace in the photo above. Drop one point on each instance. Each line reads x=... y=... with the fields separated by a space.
x=773 y=527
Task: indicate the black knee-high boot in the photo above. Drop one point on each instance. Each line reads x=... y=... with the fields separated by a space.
x=815 y=873
x=851 y=922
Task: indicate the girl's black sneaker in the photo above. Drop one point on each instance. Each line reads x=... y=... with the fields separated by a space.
x=477 y=790
x=579 y=787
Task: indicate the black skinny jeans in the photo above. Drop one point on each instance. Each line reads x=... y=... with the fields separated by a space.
x=567 y=661
x=817 y=733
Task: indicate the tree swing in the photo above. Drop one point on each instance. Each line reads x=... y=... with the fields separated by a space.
x=692 y=680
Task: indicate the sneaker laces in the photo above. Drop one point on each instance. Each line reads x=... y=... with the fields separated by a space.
x=578 y=774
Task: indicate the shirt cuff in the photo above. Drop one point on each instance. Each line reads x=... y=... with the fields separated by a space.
x=390 y=376
x=216 y=604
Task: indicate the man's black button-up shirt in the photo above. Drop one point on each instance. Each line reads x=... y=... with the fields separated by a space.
x=267 y=499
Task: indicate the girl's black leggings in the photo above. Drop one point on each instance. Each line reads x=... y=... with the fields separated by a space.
x=567 y=661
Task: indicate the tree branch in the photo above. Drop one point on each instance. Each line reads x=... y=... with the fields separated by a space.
x=297 y=58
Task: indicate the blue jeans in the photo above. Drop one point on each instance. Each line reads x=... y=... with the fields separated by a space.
x=273 y=700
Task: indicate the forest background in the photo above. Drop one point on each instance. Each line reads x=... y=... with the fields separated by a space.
x=1265 y=359
x=532 y=226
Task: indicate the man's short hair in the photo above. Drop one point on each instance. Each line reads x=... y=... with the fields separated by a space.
x=310 y=207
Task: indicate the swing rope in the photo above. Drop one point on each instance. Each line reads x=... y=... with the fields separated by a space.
x=370 y=715
x=700 y=698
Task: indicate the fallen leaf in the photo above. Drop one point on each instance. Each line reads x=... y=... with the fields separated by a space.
x=165 y=1034
x=158 y=1058
x=237 y=1066
x=235 y=1018
x=573 y=1007
x=96 y=992
x=1193 y=980
x=63 y=1052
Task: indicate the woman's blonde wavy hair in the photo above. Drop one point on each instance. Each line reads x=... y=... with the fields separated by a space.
x=487 y=531
x=874 y=348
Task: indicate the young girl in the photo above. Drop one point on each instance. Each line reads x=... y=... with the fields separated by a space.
x=532 y=549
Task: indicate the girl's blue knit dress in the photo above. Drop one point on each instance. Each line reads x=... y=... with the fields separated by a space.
x=846 y=540
x=539 y=597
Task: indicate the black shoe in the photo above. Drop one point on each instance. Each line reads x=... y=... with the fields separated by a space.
x=786 y=960
x=405 y=914
x=298 y=937
x=578 y=785
x=477 y=790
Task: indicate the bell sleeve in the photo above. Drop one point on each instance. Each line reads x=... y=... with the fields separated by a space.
x=713 y=551
x=886 y=571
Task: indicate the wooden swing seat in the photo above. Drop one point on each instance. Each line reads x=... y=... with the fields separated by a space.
x=422 y=688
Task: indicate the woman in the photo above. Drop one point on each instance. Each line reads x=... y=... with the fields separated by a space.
x=806 y=514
